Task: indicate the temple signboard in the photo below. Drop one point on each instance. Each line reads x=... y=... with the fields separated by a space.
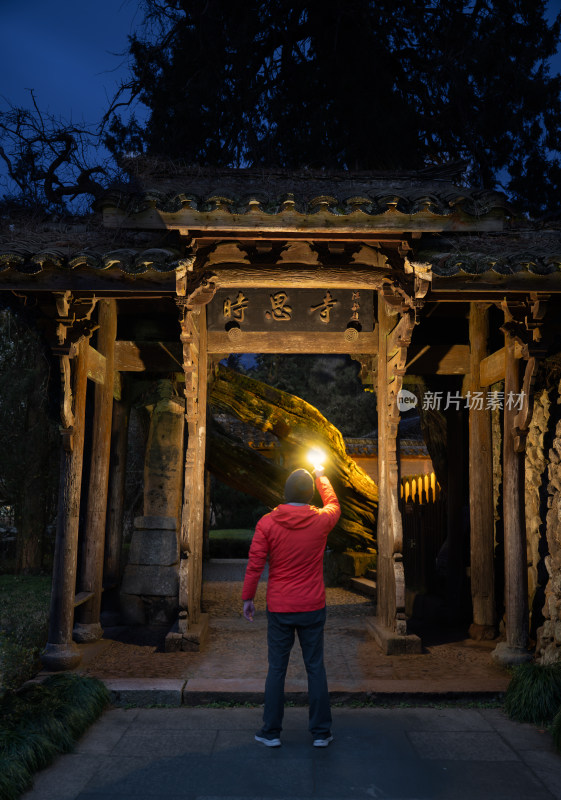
x=288 y=309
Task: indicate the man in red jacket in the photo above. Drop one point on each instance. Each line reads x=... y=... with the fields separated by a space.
x=293 y=537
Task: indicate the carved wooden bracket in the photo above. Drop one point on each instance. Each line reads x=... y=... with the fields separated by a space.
x=199 y=291
x=523 y=321
x=73 y=324
x=181 y=274
x=423 y=277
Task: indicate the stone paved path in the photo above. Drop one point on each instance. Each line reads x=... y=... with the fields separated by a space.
x=400 y=753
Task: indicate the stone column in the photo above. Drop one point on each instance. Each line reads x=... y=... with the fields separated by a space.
x=149 y=593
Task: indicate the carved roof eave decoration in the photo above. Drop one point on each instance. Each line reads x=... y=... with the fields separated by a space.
x=514 y=259
x=387 y=213
x=16 y=256
x=29 y=260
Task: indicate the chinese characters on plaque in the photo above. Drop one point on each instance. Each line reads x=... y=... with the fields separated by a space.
x=292 y=309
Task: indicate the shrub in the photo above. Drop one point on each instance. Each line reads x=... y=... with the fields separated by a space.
x=24 y=607
x=41 y=721
x=534 y=693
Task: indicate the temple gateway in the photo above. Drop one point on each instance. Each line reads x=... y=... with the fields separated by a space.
x=408 y=273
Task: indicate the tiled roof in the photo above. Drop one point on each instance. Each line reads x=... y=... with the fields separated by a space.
x=355 y=446
x=531 y=252
x=171 y=188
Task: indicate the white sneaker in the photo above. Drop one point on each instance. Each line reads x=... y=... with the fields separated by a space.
x=268 y=742
x=323 y=741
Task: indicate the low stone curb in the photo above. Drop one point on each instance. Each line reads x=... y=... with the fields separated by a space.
x=202 y=691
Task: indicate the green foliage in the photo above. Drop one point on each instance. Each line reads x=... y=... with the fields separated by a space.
x=230 y=543
x=41 y=721
x=29 y=454
x=361 y=85
x=232 y=509
x=534 y=693
x=329 y=383
x=24 y=608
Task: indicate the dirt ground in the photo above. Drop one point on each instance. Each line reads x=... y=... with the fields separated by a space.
x=237 y=649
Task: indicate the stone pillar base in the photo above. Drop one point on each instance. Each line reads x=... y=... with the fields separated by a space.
x=192 y=640
x=60 y=656
x=508 y=656
x=482 y=633
x=87 y=632
x=391 y=642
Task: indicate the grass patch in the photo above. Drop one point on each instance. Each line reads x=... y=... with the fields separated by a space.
x=41 y=721
x=534 y=693
x=24 y=611
x=230 y=543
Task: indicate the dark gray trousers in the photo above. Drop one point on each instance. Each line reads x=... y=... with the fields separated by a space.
x=280 y=637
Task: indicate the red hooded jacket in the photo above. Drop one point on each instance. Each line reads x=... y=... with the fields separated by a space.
x=293 y=538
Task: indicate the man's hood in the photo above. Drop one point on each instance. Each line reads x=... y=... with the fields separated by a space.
x=289 y=516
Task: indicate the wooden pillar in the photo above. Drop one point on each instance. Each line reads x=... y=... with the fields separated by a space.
x=60 y=651
x=456 y=577
x=115 y=510
x=394 y=336
x=482 y=533
x=88 y=627
x=514 y=650
x=194 y=339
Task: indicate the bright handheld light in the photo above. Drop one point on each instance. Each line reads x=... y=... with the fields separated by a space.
x=316 y=457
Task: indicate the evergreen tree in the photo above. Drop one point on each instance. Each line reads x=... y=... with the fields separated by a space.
x=360 y=85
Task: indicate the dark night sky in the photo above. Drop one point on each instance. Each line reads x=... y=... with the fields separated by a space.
x=67 y=51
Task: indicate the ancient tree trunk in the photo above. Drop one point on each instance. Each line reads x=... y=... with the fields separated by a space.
x=301 y=426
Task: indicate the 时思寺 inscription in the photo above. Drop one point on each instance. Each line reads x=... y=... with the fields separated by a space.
x=297 y=309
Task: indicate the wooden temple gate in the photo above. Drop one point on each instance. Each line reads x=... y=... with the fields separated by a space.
x=380 y=241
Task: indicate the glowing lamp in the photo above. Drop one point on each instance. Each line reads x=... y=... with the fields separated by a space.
x=316 y=457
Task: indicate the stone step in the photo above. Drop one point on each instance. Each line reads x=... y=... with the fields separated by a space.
x=364 y=586
x=371 y=575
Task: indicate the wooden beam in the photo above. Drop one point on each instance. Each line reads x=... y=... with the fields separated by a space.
x=492 y=368
x=150 y=356
x=249 y=277
x=96 y=365
x=438 y=359
x=316 y=342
